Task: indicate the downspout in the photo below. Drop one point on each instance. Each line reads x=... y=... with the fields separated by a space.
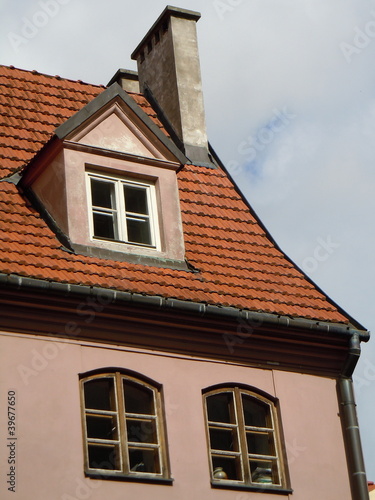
x=349 y=421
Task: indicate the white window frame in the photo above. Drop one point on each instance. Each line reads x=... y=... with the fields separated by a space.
x=120 y=215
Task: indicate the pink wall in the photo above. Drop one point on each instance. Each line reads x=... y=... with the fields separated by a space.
x=44 y=374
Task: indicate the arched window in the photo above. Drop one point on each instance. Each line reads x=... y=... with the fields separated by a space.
x=243 y=439
x=123 y=429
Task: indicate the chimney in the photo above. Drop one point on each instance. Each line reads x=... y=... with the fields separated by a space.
x=127 y=79
x=169 y=75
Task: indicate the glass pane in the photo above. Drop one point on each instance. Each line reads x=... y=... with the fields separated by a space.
x=104 y=457
x=102 y=194
x=256 y=413
x=264 y=472
x=136 y=200
x=229 y=467
x=101 y=427
x=260 y=444
x=220 y=408
x=144 y=460
x=222 y=439
x=139 y=231
x=104 y=225
x=138 y=399
x=99 y=394
x=142 y=431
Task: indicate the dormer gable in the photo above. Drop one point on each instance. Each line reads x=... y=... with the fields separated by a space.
x=107 y=179
x=114 y=121
x=117 y=133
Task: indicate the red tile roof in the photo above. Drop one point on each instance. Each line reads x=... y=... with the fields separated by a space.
x=238 y=263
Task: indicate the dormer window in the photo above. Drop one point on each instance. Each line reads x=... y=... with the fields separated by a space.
x=123 y=210
x=108 y=180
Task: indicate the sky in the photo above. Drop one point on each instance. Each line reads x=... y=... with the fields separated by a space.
x=289 y=88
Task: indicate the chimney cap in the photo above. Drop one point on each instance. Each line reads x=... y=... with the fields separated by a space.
x=168 y=12
x=123 y=73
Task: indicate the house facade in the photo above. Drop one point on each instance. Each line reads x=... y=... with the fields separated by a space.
x=155 y=341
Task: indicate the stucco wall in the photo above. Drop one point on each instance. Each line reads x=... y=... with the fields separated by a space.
x=49 y=452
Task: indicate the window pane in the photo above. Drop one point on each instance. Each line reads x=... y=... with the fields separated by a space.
x=99 y=394
x=256 y=413
x=222 y=439
x=230 y=466
x=136 y=199
x=138 y=399
x=104 y=457
x=264 y=472
x=104 y=225
x=143 y=431
x=139 y=231
x=260 y=444
x=101 y=427
x=220 y=408
x=102 y=194
x=144 y=460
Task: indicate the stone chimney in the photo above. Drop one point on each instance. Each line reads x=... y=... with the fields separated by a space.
x=169 y=75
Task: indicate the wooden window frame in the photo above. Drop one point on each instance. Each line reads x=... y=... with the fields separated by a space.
x=238 y=427
x=124 y=471
x=120 y=215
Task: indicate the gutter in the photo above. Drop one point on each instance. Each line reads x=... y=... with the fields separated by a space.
x=349 y=422
x=195 y=308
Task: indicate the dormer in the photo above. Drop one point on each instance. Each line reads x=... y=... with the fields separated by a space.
x=107 y=181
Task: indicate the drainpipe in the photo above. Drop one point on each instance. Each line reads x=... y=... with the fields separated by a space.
x=349 y=421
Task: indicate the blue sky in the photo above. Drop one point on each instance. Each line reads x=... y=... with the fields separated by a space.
x=290 y=102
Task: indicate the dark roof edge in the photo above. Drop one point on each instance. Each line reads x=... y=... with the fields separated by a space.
x=106 y=97
x=252 y=318
x=277 y=246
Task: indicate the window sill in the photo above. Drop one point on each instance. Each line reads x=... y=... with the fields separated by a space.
x=132 y=258
x=261 y=488
x=130 y=244
x=144 y=478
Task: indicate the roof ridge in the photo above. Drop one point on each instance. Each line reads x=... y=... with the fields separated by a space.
x=57 y=77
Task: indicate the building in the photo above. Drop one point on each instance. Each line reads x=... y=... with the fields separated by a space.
x=155 y=341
